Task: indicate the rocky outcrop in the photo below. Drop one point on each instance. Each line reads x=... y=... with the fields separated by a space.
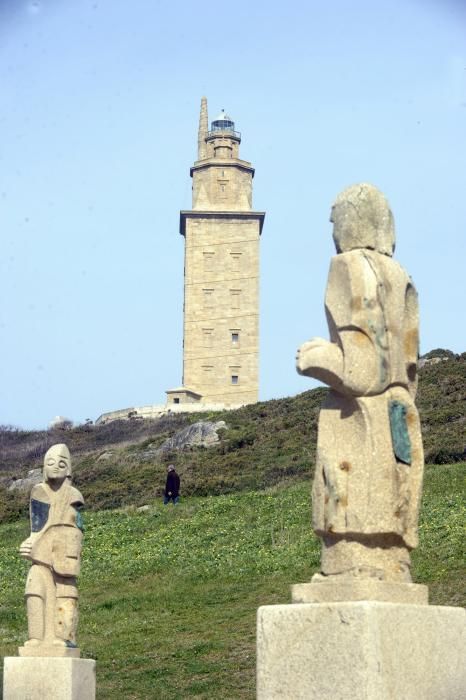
x=34 y=476
x=201 y=434
x=431 y=361
x=105 y=456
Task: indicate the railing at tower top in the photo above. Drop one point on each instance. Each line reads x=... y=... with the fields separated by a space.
x=224 y=132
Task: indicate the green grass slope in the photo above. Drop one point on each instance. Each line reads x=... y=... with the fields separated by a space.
x=169 y=596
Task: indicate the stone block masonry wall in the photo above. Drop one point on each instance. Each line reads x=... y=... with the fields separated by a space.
x=221 y=320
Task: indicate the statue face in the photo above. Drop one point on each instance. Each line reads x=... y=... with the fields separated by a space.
x=362 y=218
x=57 y=463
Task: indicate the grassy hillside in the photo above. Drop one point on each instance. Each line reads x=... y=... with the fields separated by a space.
x=263 y=445
x=442 y=407
x=169 y=596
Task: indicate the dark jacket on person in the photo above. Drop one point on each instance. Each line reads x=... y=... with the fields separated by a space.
x=172 y=487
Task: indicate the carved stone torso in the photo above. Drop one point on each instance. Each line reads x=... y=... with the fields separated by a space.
x=361 y=484
x=56 y=521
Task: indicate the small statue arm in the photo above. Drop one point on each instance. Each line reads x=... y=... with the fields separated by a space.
x=25 y=547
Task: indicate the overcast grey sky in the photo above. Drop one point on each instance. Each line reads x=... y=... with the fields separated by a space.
x=98 y=121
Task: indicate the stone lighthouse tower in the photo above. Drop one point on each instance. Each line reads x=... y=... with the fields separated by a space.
x=221 y=274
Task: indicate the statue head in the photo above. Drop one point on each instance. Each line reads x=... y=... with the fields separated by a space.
x=362 y=218
x=57 y=463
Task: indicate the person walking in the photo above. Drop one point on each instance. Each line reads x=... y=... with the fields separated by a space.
x=172 y=486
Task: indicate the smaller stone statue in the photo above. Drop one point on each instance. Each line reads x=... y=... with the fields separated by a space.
x=368 y=478
x=54 y=548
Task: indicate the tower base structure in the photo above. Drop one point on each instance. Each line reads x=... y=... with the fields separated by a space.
x=48 y=678
x=366 y=650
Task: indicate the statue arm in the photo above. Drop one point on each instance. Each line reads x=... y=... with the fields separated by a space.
x=322 y=360
x=350 y=362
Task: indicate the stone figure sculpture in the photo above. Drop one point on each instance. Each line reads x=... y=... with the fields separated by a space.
x=54 y=548
x=369 y=466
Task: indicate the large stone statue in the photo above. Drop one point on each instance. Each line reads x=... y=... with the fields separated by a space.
x=54 y=548
x=369 y=465
x=361 y=628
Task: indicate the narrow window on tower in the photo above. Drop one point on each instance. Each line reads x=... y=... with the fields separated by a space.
x=235 y=338
x=208 y=257
x=223 y=185
x=208 y=298
x=234 y=373
x=235 y=298
x=207 y=337
x=235 y=260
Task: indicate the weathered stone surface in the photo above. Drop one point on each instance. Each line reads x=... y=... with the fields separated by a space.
x=46 y=678
x=368 y=477
x=201 y=434
x=49 y=649
x=360 y=650
x=34 y=476
x=54 y=548
x=326 y=589
x=362 y=219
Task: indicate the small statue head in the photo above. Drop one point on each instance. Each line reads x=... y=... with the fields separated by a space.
x=362 y=218
x=57 y=463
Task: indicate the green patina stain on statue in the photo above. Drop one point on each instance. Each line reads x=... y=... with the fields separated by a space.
x=80 y=521
x=399 y=430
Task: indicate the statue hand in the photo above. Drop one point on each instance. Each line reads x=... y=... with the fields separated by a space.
x=25 y=548
x=322 y=360
x=304 y=353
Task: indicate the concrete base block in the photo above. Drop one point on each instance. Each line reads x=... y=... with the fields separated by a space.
x=363 y=650
x=48 y=678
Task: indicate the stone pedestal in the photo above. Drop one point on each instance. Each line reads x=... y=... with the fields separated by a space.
x=366 y=650
x=324 y=589
x=48 y=678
